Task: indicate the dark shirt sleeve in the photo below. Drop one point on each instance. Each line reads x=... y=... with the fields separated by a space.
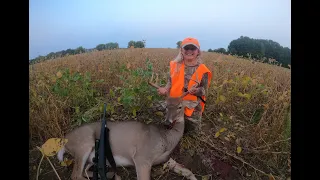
x=203 y=87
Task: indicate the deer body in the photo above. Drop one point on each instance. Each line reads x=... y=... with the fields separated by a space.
x=132 y=143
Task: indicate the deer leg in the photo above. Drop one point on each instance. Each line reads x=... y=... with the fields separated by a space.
x=79 y=162
x=117 y=177
x=143 y=169
x=178 y=168
x=88 y=173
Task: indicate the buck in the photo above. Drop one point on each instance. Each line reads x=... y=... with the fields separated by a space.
x=132 y=143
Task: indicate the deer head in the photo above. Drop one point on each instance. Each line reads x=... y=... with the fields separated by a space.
x=175 y=107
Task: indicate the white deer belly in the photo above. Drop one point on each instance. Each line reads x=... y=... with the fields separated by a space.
x=122 y=161
x=119 y=160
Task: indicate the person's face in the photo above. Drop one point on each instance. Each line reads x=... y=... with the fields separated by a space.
x=190 y=52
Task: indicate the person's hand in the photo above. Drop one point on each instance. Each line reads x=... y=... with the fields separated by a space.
x=162 y=91
x=193 y=90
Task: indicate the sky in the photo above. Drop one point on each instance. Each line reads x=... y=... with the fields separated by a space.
x=56 y=25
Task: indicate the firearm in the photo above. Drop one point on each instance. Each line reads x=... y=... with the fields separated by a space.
x=103 y=151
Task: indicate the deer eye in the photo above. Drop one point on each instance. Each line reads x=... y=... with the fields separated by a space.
x=179 y=107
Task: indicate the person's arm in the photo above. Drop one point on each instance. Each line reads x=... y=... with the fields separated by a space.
x=168 y=85
x=203 y=87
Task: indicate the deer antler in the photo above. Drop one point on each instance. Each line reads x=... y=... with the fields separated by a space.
x=187 y=92
x=153 y=84
x=198 y=83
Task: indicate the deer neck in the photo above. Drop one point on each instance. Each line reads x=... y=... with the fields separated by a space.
x=174 y=134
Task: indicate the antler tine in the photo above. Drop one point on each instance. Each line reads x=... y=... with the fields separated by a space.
x=187 y=92
x=151 y=83
x=157 y=78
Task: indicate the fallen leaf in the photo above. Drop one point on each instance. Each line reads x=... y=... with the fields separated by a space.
x=66 y=162
x=52 y=146
x=205 y=177
x=222 y=130
x=159 y=113
x=226 y=138
x=134 y=112
x=239 y=149
x=217 y=134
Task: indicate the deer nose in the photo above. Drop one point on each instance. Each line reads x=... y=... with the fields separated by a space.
x=167 y=122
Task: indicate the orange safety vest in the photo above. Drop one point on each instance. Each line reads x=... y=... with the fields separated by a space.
x=177 y=82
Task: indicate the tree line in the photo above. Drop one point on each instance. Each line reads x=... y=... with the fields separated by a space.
x=79 y=50
x=258 y=49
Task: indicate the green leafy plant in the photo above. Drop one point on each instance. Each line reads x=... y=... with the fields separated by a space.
x=78 y=89
x=136 y=94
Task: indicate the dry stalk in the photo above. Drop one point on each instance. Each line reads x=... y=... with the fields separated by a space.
x=49 y=162
x=271 y=144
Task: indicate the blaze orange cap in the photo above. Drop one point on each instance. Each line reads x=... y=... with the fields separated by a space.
x=190 y=40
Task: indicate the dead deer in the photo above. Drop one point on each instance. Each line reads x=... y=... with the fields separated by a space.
x=133 y=143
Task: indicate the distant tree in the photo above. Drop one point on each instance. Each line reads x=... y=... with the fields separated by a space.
x=260 y=49
x=136 y=44
x=101 y=47
x=220 y=50
x=51 y=55
x=210 y=50
x=178 y=44
x=139 y=44
x=63 y=53
x=112 y=45
x=70 y=51
x=131 y=43
x=80 y=50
